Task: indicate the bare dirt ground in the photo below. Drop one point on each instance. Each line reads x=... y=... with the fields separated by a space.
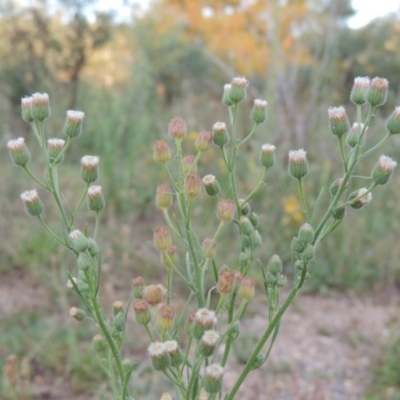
x=326 y=349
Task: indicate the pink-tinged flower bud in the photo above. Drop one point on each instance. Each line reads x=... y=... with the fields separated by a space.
x=165 y=319
x=40 y=106
x=204 y=320
x=170 y=255
x=165 y=396
x=172 y=348
x=73 y=123
x=211 y=185
x=188 y=165
x=393 y=122
x=377 y=93
x=225 y=210
x=208 y=343
x=298 y=165
x=26 y=108
x=306 y=234
x=90 y=168
x=54 y=149
x=267 y=158
x=154 y=294
x=213 y=378
x=354 y=135
x=19 y=151
x=77 y=314
x=189 y=323
x=160 y=359
x=338 y=121
x=203 y=141
x=334 y=187
x=161 y=151
x=32 y=202
x=163 y=196
x=275 y=265
x=162 y=238
x=95 y=198
x=360 y=198
x=225 y=97
x=137 y=285
x=209 y=251
x=383 y=170
x=359 y=90
x=177 y=128
x=226 y=282
x=79 y=241
x=247 y=288
x=99 y=344
x=259 y=112
x=192 y=185
x=237 y=91
x=220 y=134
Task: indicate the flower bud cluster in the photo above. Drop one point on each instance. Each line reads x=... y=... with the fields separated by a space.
x=302 y=245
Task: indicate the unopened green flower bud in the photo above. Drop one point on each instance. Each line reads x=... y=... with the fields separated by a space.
x=162 y=238
x=359 y=90
x=137 y=286
x=117 y=307
x=393 y=122
x=338 y=121
x=160 y=359
x=267 y=158
x=225 y=97
x=296 y=245
x=383 y=170
x=308 y=253
x=281 y=281
x=19 y=151
x=208 y=343
x=213 y=378
x=354 y=136
x=225 y=210
x=127 y=365
x=54 y=149
x=177 y=128
x=173 y=350
x=254 y=219
x=306 y=234
x=99 y=344
x=79 y=241
x=275 y=265
x=142 y=313
x=161 y=151
x=163 y=196
x=73 y=123
x=334 y=187
x=95 y=198
x=192 y=185
x=259 y=111
x=211 y=185
x=26 y=108
x=204 y=141
x=40 y=106
x=377 y=92
x=338 y=213
x=237 y=91
x=118 y=322
x=255 y=239
x=220 y=134
x=32 y=202
x=270 y=279
x=360 y=198
x=244 y=208
x=165 y=319
x=77 y=314
x=298 y=165
x=90 y=168
x=94 y=248
x=84 y=262
x=245 y=226
x=258 y=362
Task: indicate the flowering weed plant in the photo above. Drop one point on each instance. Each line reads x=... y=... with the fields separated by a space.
x=193 y=347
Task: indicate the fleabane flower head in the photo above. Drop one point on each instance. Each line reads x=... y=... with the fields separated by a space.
x=359 y=90
x=73 y=123
x=90 y=168
x=213 y=378
x=220 y=134
x=19 y=151
x=237 y=91
x=338 y=121
x=393 y=122
x=154 y=294
x=225 y=97
x=26 y=109
x=360 y=198
x=383 y=170
x=54 y=148
x=79 y=241
x=204 y=320
x=32 y=202
x=172 y=348
x=40 y=106
x=259 y=111
x=377 y=92
x=208 y=342
x=159 y=356
x=267 y=158
x=354 y=135
x=95 y=198
x=298 y=165
x=177 y=128
x=211 y=185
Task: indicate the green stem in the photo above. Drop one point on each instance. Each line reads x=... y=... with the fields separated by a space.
x=303 y=200
x=255 y=191
x=342 y=153
x=52 y=233
x=374 y=147
x=26 y=169
x=249 y=136
x=97 y=225
x=79 y=204
x=62 y=152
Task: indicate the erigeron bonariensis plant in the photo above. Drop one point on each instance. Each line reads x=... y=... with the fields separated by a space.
x=196 y=370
